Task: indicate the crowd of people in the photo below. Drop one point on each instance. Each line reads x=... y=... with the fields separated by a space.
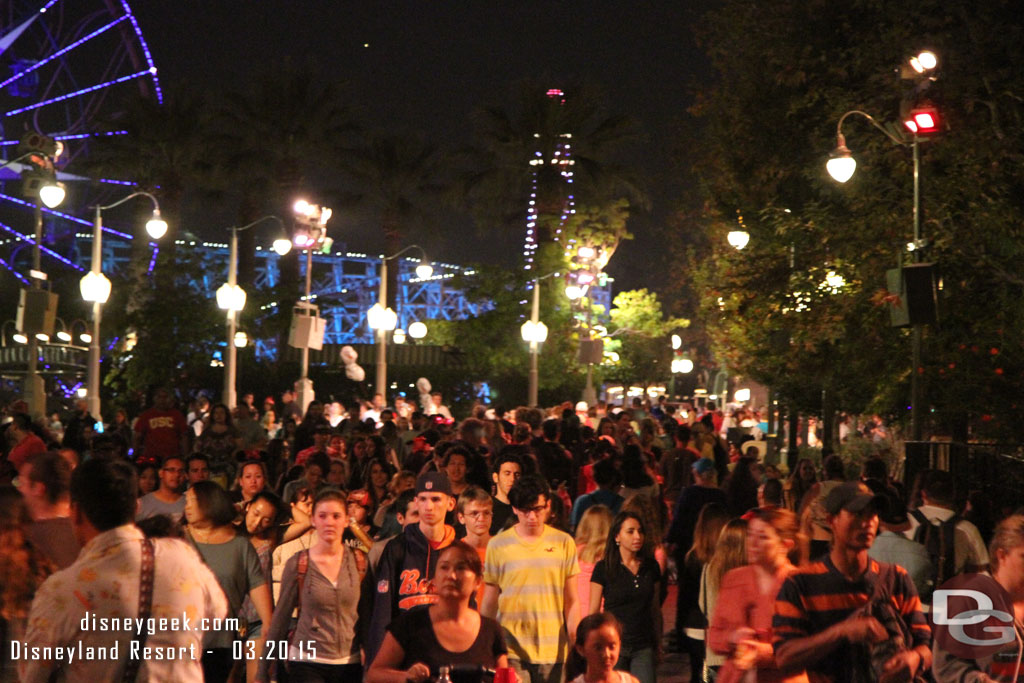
x=392 y=543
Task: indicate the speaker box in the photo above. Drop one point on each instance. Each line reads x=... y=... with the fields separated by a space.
x=591 y=351
x=307 y=331
x=37 y=311
x=914 y=298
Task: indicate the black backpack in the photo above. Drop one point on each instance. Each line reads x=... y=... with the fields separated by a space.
x=938 y=541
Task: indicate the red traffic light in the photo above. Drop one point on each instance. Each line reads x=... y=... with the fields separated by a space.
x=922 y=120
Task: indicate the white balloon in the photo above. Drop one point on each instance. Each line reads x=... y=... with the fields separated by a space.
x=348 y=355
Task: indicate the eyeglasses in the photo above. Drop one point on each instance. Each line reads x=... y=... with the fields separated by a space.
x=536 y=510
x=480 y=514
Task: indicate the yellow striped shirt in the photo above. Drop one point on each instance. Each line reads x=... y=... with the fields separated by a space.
x=531 y=577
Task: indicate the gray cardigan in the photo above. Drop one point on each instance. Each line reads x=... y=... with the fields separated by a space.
x=327 y=615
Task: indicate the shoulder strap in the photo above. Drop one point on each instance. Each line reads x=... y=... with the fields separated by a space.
x=302 y=569
x=146 y=572
x=922 y=525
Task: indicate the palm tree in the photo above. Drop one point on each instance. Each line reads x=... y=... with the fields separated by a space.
x=498 y=183
x=275 y=137
x=397 y=181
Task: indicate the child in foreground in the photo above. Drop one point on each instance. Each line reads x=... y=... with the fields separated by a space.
x=598 y=641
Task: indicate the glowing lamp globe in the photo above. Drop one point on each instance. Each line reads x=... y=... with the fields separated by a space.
x=156 y=226
x=282 y=245
x=241 y=339
x=52 y=194
x=677 y=341
x=399 y=336
x=738 y=238
x=531 y=332
x=424 y=270
x=230 y=297
x=841 y=168
x=64 y=337
x=381 y=318
x=418 y=330
x=574 y=292
x=20 y=338
x=95 y=287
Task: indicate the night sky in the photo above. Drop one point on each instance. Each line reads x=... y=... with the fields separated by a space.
x=425 y=65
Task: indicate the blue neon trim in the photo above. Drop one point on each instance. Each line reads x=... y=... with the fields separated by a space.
x=77 y=136
x=48 y=5
x=145 y=50
x=18 y=275
x=82 y=136
x=83 y=91
x=44 y=249
x=152 y=261
x=65 y=216
x=62 y=51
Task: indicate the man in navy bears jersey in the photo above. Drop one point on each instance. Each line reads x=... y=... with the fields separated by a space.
x=402 y=578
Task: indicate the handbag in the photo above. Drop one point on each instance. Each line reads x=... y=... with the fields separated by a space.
x=900 y=639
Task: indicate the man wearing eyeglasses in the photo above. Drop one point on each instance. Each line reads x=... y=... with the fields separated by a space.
x=167 y=499
x=530 y=574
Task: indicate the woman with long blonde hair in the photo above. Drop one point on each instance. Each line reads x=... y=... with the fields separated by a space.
x=691 y=623
x=741 y=625
x=591 y=538
x=730 y=553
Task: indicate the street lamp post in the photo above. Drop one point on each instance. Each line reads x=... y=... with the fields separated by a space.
x=40 y=182
x=841 y=167
x=383 y=319
x=535 y=332
x=312 y=231
x=231 y=297
x=95 y=288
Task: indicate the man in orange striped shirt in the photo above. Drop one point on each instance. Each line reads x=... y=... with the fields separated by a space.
x=841 y=619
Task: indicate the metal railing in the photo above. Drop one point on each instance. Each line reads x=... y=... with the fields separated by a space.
x=994 y=468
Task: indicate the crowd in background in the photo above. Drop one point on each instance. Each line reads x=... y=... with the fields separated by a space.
x=391 y=541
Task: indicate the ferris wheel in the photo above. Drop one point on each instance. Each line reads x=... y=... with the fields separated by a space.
x=65 y=67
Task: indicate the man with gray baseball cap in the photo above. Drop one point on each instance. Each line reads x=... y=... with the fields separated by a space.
x=840 y=618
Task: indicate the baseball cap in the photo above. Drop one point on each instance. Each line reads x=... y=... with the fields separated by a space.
x=434 y=482
x=703 y=465
x=853 y=496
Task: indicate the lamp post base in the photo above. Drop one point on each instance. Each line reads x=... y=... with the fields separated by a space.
x=34 y=394
x=589 y=392
x=304 y=393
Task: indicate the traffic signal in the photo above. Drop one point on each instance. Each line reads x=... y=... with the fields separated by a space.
x=918 y=109
x=39 y=178
x=922 y=118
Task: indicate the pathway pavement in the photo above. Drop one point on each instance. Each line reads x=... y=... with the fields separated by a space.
x=676 y=667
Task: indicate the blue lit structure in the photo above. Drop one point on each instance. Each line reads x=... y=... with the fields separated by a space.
x=345 y=285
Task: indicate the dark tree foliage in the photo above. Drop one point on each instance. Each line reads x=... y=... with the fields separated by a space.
x=785 y=73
